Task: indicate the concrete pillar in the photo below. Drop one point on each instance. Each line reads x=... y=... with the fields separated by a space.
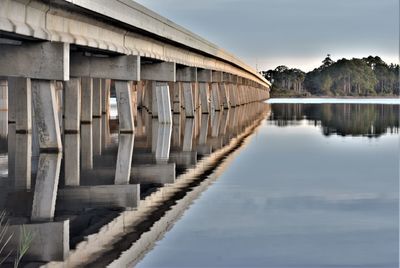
x=215 y=123
x=105 y=136
x=126 y=130
x=154 y=100
x=224 y=96
x=72 y=115
x=59 y=99
x=21 y=163
x=140 y=91
x=204 y=96
x=215 y=102
x=46 y=117
x=86 y=123
x=97 y=112
x=3 y=108
x=176 y=97
x=163 y=103
x=188 y=99
x=48 y=126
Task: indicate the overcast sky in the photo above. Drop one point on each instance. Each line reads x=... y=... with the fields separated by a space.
x=296 y=33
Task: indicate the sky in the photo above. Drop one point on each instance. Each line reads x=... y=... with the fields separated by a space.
x=295 y=33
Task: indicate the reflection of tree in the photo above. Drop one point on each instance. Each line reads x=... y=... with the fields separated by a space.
x=370 y=120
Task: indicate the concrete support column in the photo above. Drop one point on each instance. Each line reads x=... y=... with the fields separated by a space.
x=22 y=166
x=204 y=96
x=176 y=97
x=140 y=91
x=126 y=132
x=188 y=99
x=105 y=96
x=3 y=108
x=48 y=126
x=215 y=102
x=224 y=96
x=97 y=112
x=86 y=121
x=163 y=103
x=72 y=115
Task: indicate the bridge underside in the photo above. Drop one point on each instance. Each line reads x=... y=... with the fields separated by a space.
x=59 y=65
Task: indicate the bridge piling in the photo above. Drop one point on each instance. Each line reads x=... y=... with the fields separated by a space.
x=86 y=123
x=72 y=114
x=126 y=132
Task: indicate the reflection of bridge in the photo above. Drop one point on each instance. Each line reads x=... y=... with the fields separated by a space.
x=59 y=63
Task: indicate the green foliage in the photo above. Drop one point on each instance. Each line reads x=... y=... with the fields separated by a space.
x=25 y=241
x=356 y=77
x=4 y=238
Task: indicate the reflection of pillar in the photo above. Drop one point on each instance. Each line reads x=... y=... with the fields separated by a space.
x=46 y=119
x=188 y=99
x=204 y=93
x=188 y=135
x=3 y=108
x=86 y=123
x=23 y=158
x=72 y=115
x=44 y=199
x=163 y=143
x=176 y=130
x=215 y=123
x=224 y=122
x=204 y=129
x=126 y=130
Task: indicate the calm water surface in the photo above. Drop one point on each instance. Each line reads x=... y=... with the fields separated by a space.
x=316 y=186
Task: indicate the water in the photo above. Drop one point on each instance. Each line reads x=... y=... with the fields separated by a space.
x=317 y=185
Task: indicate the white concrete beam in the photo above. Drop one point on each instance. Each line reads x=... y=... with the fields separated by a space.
x=112 y=67
x=44 y=60
x=161 y=71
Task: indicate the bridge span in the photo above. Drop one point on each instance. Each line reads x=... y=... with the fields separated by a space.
x=61 y=60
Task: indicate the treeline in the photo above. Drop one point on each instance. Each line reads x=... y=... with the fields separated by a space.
x=369 y=76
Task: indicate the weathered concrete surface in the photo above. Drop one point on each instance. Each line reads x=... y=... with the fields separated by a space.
x=46 y=117
x=50 y=241
x=114 y=67
x=50 y=59
x=83 y=197
x=44 y=198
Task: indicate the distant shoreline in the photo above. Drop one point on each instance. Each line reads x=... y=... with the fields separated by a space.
x=336 y=97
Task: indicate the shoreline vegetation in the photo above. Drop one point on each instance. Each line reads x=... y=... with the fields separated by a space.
x=369 y=77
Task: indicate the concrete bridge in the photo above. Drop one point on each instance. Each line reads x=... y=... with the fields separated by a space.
x=59 y=62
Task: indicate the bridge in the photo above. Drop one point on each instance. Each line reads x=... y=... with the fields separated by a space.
x=61 y=60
